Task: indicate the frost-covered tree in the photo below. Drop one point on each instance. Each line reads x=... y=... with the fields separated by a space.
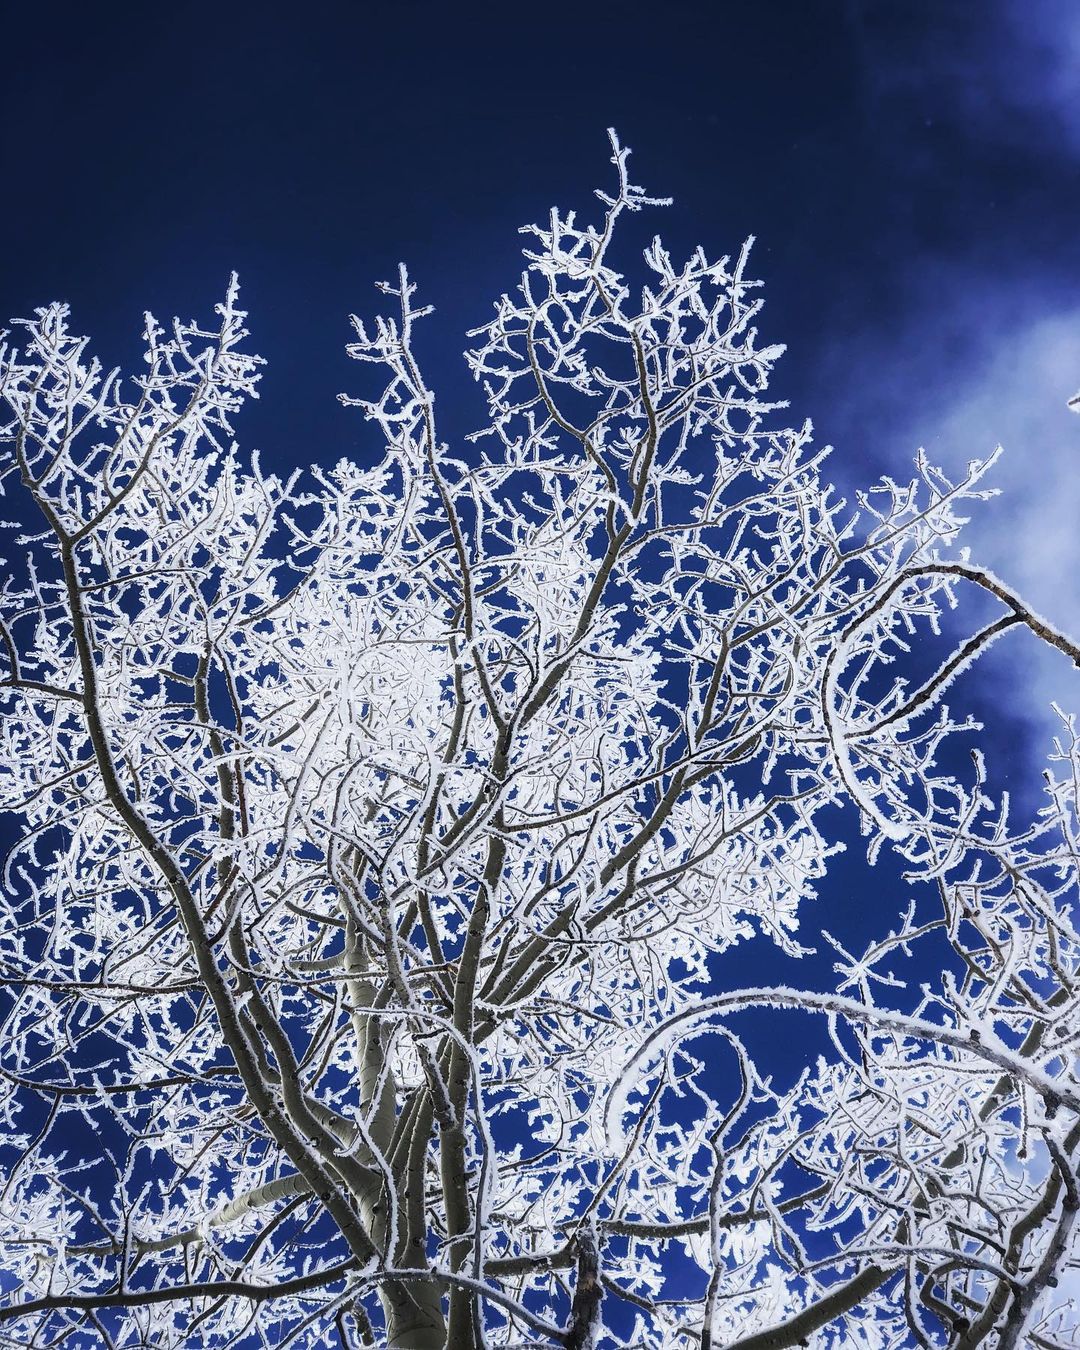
x=380 y=827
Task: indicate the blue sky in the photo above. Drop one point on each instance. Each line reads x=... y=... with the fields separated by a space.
x=911 y=169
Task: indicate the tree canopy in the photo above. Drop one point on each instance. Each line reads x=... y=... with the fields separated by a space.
x=380 y=826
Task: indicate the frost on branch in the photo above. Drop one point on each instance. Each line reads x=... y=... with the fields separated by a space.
x=380 y=827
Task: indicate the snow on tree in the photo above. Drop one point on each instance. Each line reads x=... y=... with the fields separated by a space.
x=379 y=827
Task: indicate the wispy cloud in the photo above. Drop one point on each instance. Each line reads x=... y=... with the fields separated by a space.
x=1007 y=71
x=1038 y=65
x=1030 y=534
x=989 y=366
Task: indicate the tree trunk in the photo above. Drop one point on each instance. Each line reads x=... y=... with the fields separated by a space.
x=585 y=1310
x=412 y=1309
x=414 y=1317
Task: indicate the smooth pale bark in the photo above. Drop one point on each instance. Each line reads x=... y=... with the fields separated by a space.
x=412 y=1309
x=414 y=1318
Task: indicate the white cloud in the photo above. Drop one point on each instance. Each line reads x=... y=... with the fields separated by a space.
x=1030 y=534
x=985 y=365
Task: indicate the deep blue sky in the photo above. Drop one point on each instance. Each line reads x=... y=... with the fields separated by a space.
x=892 y=156
x=911 y=169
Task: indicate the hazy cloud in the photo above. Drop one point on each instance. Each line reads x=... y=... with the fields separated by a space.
x=1007 y=71
x=996 y=368
x=1039 y=62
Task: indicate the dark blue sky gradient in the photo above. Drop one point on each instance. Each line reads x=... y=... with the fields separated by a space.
x=872 y=148
x=910 y=168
